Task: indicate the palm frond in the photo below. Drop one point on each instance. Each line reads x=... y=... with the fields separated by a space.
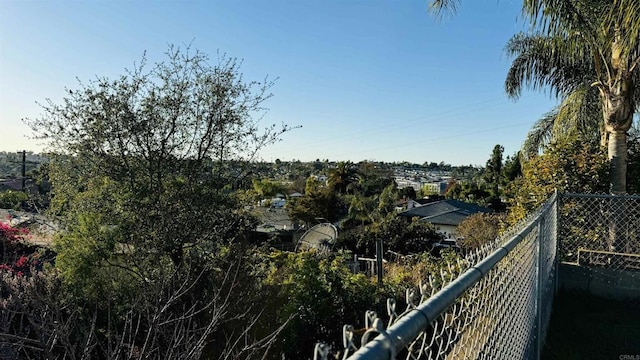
x=558 y=17
x=625 y=15
x=439 y=8
x=539 y=135
x=578 y=116
x=541 y=61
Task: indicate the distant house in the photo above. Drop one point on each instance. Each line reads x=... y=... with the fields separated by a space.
x=438 y=188
x=406 y=204
x=445 y=215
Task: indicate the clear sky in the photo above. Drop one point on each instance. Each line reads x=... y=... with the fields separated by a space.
x=366 y=79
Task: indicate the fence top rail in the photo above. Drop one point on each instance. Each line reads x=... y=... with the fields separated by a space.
x=388 y=343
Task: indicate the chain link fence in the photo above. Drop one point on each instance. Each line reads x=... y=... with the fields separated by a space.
x=494 y=303
x=601 y=231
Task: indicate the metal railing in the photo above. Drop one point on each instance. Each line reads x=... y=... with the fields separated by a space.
x=496 y=302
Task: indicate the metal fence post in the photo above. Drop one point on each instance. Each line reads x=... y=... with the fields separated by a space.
x=539 y=289
x=557 y=240
x=379 y=253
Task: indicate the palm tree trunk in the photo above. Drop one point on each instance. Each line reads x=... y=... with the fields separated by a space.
x=618 y=116
x=617 y=154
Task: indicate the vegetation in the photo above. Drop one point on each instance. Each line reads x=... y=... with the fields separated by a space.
x=140 y=178
x=153 y=178
x=150 y=192
x=595 y=45
x=12 y=199
x=480 y=229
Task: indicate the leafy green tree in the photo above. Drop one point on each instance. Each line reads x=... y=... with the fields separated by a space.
x=470 y=190
x=267 y=188
x=568 y=166
x=397 y=234
x=318 y=294
x=363 y=209
x=158 y=136
x=493 y=170
x=387 y=200
x=512 y=168
x=372 y=179
x=312 y=185
x=479 y=229
x=141 y=175
x=11 y=199
x=408 y=192
x=322 y=203
x=493 y=175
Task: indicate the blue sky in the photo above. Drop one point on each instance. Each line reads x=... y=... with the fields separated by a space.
x=366 y=79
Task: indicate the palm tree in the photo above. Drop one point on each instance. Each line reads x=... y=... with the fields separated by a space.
x=342 y=176
x=584 y=50
x=581 y=46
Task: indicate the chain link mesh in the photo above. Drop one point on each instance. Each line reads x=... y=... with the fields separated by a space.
x=601 y=231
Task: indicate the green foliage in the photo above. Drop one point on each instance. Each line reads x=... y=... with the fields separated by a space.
x=312 y=185
x=322 y=203
x=408 y=192
x=318 y=294
x=493 y=170
x=142 y=175
x=479 y=229
x=362 y=209
x=568 y=166
x=267 y=188
x=86 y=259
x=149 y=164
x=342 y=177
x=512 y=168
x=397 y=234
x=11 y=199
x=372 y=179
x=470 y=191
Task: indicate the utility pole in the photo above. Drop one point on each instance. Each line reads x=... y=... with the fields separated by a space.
x=24 y=168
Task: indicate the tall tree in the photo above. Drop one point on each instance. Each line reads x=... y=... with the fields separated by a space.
x=578 y=48
x=493 y=170
x=146 y=150
x=343 y=175
x=140 y=178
